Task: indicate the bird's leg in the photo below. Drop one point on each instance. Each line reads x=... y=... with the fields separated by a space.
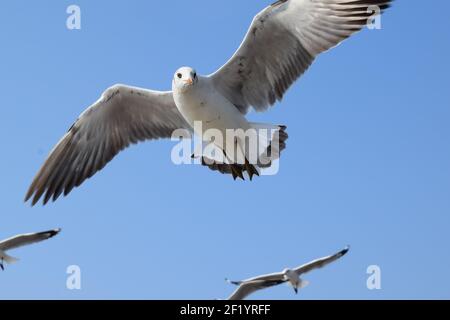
x=251 y=170
x=236 y=171
x=239 y=171
x=1 y=265
x=233 y=172
x=296 y=290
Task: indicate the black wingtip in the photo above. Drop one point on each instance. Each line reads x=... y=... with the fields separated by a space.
x=54 y=232
x=51 y=233
x=35 y=201
x=344 y=252
x=236 y=283
x=28 y=197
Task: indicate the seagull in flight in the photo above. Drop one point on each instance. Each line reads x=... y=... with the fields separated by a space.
x=282 y=42
x=290 y=276
x=20 y=241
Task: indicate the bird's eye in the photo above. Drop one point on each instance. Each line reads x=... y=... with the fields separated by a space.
x=179 y=75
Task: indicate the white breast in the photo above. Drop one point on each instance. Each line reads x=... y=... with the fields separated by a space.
x=203 y=103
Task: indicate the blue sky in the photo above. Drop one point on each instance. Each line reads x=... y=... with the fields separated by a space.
x=367 y=163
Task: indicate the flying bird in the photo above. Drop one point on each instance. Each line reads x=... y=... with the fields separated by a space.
x=290 y=276
x=20 y=241
x=282 y=42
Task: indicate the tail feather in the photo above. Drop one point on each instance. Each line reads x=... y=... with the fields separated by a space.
x=303 y=284
x=271 y=142
x=8 y=259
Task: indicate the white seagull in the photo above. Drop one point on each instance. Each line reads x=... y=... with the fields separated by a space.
x=20 y=241
x=282 y=42
x=290 y=276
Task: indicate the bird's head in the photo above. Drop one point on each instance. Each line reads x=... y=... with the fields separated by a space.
x=184 y=79
x=287 y=272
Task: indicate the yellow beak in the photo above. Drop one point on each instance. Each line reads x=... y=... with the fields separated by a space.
x=189 y=81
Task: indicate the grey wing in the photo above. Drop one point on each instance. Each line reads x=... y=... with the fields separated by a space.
x=26 y=239
x=122 y=116
x=247 y=288
x=277 y=276
x=319 y=263
x=282 y=42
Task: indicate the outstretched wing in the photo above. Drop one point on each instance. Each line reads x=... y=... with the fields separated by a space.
x=277 y=276
x=247 y=288
x=282 y=42
x=319 y=263
x=26 y=239
x=122 y=116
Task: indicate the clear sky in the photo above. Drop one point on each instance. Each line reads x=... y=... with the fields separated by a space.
x=367 y=162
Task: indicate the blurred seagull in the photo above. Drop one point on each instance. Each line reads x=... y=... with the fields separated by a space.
x=282 y=42
x=291 y=276
x=20 y=241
